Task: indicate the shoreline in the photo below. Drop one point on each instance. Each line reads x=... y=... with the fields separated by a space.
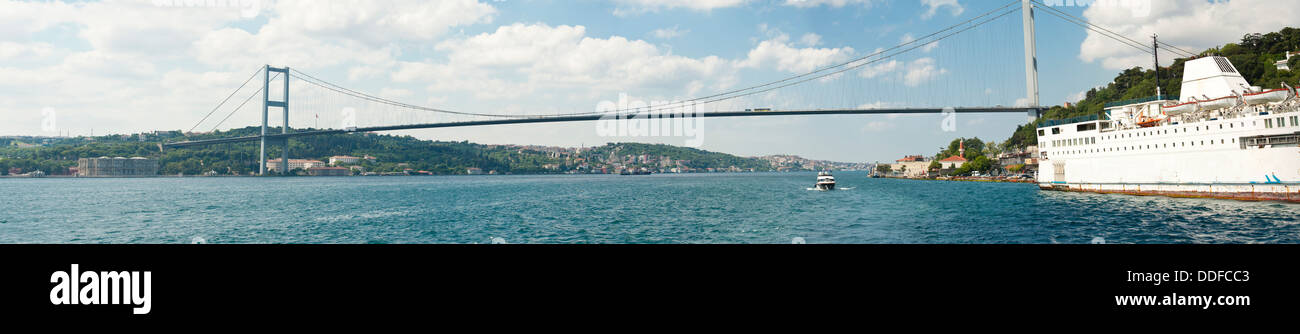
x=965 y=179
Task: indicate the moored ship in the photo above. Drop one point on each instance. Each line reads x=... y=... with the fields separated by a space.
x=1222 y=139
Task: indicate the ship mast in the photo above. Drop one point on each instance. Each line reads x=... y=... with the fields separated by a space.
x=1155 y=53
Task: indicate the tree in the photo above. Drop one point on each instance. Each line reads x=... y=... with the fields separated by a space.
x=935 y=165
x=1252 y=41
x=883 y=169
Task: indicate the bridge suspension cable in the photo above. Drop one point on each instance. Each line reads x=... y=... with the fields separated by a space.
x=744 y=91
x=1107 y=32
x=241 y=105
x=823 y=72
x=223 y=102
x=865 y=63
x=343 y=90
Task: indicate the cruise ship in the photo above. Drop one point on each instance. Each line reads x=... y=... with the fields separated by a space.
x=1222 y=139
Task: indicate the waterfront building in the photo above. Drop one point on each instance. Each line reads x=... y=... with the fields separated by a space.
x=952 y=162
x=343 y=160
x=274 y=165
x=120 y=166
x=474 y=171
x=1284 y=64
x=911 y=166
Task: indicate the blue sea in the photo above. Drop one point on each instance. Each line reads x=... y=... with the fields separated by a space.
x=775 y=208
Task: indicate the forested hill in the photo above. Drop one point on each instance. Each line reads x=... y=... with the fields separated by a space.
x=391 y=154
x=1253 y=56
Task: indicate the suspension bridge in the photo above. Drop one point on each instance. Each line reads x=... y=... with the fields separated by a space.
x=804 y=94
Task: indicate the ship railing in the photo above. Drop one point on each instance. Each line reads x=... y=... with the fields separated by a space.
x=1141 y=100
x=1071 y=120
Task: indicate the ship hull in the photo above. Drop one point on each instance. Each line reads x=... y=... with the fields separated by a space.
x=1244 y=192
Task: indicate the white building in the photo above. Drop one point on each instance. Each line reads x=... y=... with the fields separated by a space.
x=343 y=159
x=274 y=164
x=1283 y=65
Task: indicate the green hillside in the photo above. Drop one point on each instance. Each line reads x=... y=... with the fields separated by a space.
x=391 y=153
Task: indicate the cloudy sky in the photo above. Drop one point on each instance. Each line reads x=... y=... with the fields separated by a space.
x=131 y=66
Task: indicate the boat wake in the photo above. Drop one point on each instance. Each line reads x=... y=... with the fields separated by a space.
x=842 y=188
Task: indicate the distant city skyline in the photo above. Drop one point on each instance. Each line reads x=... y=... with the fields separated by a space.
x=121 y=66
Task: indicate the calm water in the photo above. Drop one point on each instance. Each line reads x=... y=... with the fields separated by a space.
x=718 y=208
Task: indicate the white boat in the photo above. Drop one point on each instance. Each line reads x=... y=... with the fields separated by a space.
x=1269 y=96
x=825 y=181
x=1219 y=149
x=1179 y=109
x=1219 y=103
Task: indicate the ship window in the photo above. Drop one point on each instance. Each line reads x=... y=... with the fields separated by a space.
x=1041 y=133
x=1295 y=120
x=1056 y=131
x=1281 y=122
x=1220 y=126
x=1268 y=124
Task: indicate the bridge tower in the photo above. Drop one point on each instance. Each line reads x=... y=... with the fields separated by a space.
x=1031 y=57
x=283 y=104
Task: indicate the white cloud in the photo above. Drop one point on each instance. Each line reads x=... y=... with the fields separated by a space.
x=1192 y=25
x=933 y=6
x=12 y=50
x=831 y=3
x=380 y=22
x=880 y=68
x=810 y=40
x=133 y=59
x=521 y=59
x=908 y=38
x=1076 y=97
x=921 y=71
x=784 y=57
x=668 y=33
x=633 y=7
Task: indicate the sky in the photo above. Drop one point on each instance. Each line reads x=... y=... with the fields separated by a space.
x=117 y=66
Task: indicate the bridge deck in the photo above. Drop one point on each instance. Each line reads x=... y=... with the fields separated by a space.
x=557 y=119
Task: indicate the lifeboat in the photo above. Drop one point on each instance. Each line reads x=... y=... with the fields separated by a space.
x=1268 y=96
x=1219 y=103
x=1180 y=108
x=1147 y=122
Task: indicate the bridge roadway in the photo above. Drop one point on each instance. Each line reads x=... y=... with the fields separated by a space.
x=594 y=117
